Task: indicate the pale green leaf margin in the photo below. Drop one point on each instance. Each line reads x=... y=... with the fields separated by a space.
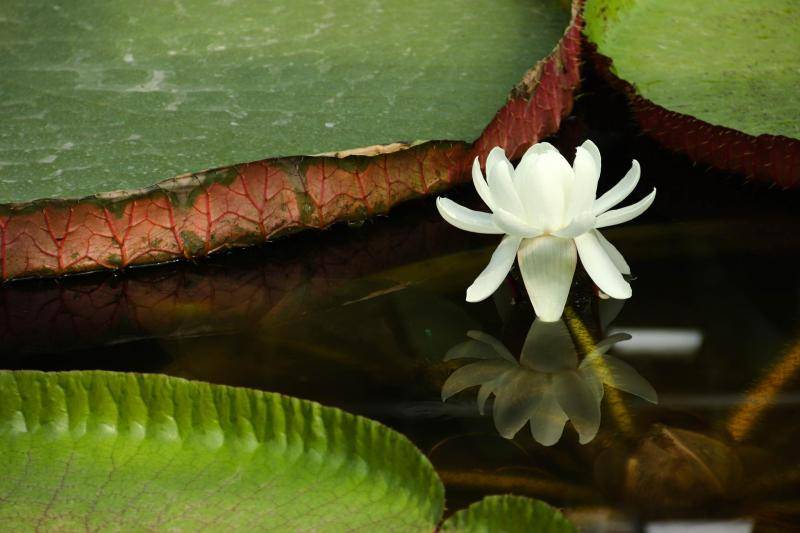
x=511 y=514
x=105 y=450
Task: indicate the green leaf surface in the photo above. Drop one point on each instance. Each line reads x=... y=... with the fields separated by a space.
x=734 y=63
x=102 y=450
x=511 y=514
x=98 y=96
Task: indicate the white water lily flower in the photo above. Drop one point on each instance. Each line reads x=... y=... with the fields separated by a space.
x=547 y=387
x=549 y=214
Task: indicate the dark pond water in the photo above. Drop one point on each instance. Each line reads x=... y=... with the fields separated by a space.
x=361 y=316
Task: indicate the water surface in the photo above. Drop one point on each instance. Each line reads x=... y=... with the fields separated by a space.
x=361 y=316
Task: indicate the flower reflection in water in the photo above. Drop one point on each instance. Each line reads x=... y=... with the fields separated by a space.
x=547 y=386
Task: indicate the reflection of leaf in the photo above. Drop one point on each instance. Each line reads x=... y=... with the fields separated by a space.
x=122 y=451
x=428 y=323
x=231 y=294
x=547 y=387
x=409 y=322
x=385 y=339
x=509 y=514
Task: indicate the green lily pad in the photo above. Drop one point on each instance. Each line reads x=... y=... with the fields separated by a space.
x=509 y=514
x=98 y=97
x=102 y=450
x=734 y=63
x=716 y=81
x=107 y=450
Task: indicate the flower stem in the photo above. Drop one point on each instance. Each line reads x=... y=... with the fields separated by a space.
x=586 y=342
x=742 y=422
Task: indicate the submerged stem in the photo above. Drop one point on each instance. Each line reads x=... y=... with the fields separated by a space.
x=517 y=483
x=742 y=421
x=586 y=342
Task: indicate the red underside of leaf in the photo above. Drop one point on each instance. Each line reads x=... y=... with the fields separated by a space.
x=770 y=158
x=238 y=295
x=195 y=215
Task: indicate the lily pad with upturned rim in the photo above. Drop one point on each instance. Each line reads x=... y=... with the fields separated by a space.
x=216 y=63
x=86 y=450
x=716 y=80
x=510 y=514
x=120 y=97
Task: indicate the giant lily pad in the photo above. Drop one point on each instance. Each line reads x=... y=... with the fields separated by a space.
x=510 y=514
x=100 y=450
x=717 y=80
x=100 y=103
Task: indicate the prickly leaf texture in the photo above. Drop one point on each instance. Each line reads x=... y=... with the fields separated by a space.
x=102 y=450
x=509 y=513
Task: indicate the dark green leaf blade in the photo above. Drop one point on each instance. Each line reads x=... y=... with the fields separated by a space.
x=99 y=97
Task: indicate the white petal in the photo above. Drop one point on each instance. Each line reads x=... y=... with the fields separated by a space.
x=620 y=375
x=538 y=148
x=514 y=225
x=498 y=347
x=500 y=175
x=544 y=189
x=466 y=219
x=600 y=267
x=620 y=191
x=613 y=254
x=584 y=188
x=624 y=214
x=594 y=151
x=527 y=164
x=548 y=419
x=576 y=398
x=579 y=225
x=547 y=265
x=480 y=183
x=496 y=155
x=549 y=348
x=496 y=271
x=474 y=374
x=516 y=398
